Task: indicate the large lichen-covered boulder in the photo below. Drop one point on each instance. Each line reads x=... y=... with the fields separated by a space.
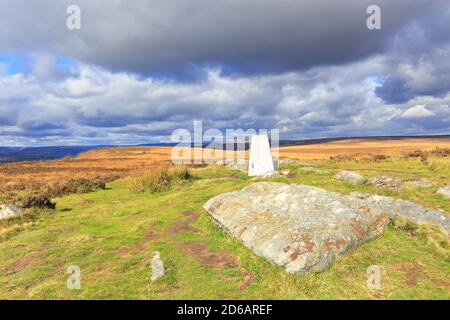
x=301 y=228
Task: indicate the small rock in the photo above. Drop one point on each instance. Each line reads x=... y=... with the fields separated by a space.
x=270 y=174
x=422 y=184
x=9 y=211
x=445 y=191
x=312 y=169
x=158 y=269
x=385 y=182
x=223 y=162
x=287 y=161
x=285 y=172
x=350 y=176
x=239 y=165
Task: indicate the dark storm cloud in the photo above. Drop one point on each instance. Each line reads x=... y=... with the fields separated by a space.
x=418 y=61
x=177 y=37
x=394 y=90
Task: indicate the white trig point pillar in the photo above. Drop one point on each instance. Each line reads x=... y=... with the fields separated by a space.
x=260 y=156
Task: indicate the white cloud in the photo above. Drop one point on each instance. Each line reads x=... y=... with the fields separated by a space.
x=92 y=105
x=419 y=111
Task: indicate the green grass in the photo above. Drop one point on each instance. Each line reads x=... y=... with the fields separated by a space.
x=106 y=233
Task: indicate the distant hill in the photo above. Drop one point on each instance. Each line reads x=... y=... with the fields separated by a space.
x=16 y=154
x=372 y=138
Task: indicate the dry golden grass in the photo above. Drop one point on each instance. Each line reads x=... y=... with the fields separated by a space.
x=115 y=162
x=104 y=163
x=389 y=147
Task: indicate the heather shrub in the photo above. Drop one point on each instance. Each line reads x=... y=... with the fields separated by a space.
x=35 y=199
x=182 y=173
x=75 y=186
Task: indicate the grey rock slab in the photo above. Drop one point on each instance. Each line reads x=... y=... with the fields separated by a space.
x=421 y=184
x=406 y=209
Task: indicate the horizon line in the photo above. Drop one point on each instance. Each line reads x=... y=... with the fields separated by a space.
x=447 y=135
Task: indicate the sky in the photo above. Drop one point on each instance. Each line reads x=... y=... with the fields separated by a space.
x=138 y=70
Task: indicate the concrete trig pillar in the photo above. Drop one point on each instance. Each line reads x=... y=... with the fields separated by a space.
x=260 y=161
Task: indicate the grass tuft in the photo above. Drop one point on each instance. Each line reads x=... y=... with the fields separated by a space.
x=436 y=237
x=158 y=179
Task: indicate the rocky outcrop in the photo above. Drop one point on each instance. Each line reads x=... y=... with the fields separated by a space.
x=395 y=184
x=350 y=176
x=421 y=184
x=301 y=228
x=386 y=182
x=405 y=209
x=9 y=211
x=445 y=191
